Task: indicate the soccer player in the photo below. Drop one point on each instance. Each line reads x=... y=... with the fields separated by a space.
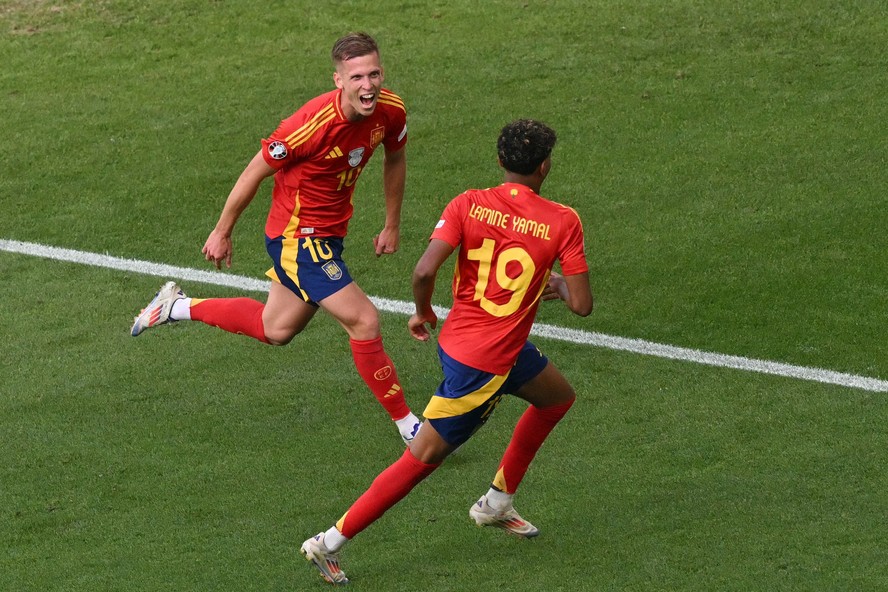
x=508 y=238
x=316 y=156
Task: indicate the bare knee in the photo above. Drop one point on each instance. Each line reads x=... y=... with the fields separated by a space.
x=548 y=389
x=282 y=322
x=363 y=326
x=280 y=336
x=564 y=395
x=275 y=340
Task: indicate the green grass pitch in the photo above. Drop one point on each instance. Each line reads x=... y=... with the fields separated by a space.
x=728 y=160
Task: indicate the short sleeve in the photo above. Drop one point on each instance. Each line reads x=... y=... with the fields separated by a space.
x=397 y=138
x=276 y=151
x=572 y=253
x=449 y=227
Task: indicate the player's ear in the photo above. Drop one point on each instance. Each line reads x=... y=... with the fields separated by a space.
x=545 y=167
x=499 y=161
x=337 y=79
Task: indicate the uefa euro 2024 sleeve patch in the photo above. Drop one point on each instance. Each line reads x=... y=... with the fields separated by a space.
x=277 y=150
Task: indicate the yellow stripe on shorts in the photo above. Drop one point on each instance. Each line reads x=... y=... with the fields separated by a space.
x=289 y=250
x=440 y=407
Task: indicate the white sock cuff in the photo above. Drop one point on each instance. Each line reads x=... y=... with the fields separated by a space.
x=334 y=539
x=499 y=500
x=181 y=310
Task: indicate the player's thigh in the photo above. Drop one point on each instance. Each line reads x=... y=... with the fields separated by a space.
x=352 y=308
x=285 y=313
x=464 y=400
x=547 y=388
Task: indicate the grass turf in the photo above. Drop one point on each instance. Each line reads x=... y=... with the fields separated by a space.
x=727 y=160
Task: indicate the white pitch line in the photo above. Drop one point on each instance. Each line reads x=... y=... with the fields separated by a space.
x=637 y=346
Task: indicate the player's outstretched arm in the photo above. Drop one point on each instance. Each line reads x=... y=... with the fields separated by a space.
x=573 y=289
x=218 y=247
x=424 y=275
x=394 y=179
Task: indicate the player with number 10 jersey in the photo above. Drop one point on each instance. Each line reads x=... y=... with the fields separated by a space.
x=316 y=156
x=319 y=155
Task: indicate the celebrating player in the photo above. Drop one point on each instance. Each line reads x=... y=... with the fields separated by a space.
x=316 y=156
x=508 y=238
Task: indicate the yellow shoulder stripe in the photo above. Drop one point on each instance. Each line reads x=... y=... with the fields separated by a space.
x=311 y=126
x=390 y=98
x=397 y=104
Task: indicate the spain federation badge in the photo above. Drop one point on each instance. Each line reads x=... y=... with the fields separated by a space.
x=377 y=136
x=333 y=271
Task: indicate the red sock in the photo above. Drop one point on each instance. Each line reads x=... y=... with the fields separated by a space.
x=389 y=487
x=235 y=315
x=377 y=370
x=530 y=432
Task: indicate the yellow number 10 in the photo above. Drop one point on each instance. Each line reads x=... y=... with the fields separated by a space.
x=517 y=285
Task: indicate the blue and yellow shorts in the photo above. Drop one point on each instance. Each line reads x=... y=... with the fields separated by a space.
x=311 y=267
x=467 y=396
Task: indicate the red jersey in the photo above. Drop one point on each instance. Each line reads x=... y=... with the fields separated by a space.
x=509 y=238
x=319 y=155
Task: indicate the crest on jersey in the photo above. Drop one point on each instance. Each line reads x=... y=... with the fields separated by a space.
x=277 y=150
x=333 y=271
x=376 y=136
x=356 y=156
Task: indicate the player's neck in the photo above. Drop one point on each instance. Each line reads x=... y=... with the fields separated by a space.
x=351 y=115
x=534 y=182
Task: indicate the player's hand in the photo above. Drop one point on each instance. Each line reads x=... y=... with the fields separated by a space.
x=555 y=289
x=417 y=326
x=218 y=249
x=387 y=241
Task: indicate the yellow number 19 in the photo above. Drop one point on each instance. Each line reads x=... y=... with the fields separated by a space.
x=517 y=285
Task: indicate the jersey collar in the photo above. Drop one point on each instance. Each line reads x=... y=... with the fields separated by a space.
x=337 y=104
x=519 y=186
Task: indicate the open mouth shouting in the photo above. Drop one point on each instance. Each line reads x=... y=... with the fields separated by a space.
x=368 y=100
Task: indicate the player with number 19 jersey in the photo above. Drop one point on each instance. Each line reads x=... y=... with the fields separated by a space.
x=510 y=237
x=319 y=155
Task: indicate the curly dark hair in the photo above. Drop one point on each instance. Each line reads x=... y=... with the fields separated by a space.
x=353 y=45
x=524 y=144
